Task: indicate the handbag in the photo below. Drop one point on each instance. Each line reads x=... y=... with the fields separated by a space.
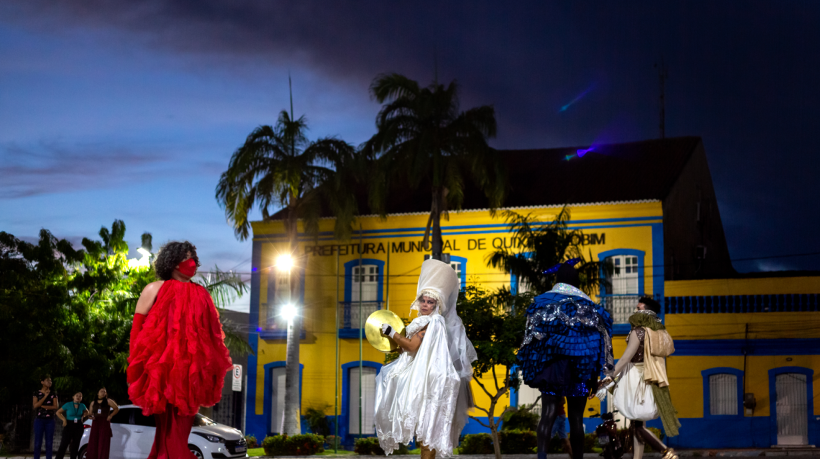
x=661 y=343
x=634 y=398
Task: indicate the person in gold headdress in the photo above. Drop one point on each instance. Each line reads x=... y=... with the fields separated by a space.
x=426 y=391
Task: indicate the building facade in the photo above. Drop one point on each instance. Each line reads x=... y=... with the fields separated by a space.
x=648 y=207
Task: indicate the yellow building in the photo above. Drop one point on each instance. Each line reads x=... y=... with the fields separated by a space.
x=648 y=206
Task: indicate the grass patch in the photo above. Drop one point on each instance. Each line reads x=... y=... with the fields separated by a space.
x=256 y=452
x=342 y=452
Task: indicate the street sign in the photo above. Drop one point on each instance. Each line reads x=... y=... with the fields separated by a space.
x=237 y=378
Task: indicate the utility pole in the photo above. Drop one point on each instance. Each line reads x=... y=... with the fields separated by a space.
x=662 y=76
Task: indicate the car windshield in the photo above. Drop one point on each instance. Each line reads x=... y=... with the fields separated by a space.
x=200 y=421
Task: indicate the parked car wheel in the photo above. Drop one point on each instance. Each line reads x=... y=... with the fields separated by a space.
x=196 y=452
x=82 y=453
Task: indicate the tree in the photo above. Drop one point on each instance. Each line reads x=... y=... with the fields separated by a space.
x=421 y=133
x=68 y=312
x=278 y=167
x=537 y=247
x=494 y=321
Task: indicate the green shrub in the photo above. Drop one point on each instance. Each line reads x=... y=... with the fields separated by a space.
x=252 y=441
x=330 y=439
x=317 y=421
x=297 y=445
x=481 y=443
x=519 y=419
x=590 y=441
x=369 y=446
x=517 y=441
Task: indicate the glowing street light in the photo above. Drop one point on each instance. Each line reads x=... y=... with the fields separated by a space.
x=288 y=312
x=284 y=262
x=142 y=262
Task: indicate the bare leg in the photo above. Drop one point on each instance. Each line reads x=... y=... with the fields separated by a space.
x=646 y=436
x=637 y=447
x=427 y=453
x=549 y=411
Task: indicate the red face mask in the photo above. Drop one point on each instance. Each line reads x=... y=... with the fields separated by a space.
x=187 y=268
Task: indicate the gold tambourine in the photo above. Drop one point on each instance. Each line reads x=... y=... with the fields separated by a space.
x=373 y=329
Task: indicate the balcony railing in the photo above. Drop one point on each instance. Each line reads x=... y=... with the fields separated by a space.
x=790 y=302
x=349 y=313
x=620 y=306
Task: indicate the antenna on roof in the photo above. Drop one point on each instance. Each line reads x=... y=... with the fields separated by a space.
x=662 y=76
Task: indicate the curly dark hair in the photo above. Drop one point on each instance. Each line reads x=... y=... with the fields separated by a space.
x=172 y=254
x=650 y=304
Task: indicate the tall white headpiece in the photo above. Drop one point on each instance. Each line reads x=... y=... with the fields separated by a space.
x=439 y=280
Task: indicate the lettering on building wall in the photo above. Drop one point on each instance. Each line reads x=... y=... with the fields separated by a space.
x=450 y=245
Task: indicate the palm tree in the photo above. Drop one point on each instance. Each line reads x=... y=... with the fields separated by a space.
x=421 y=132
x=540 y=246
x=278 y=167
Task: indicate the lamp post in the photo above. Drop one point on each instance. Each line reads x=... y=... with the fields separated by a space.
x=290 y=312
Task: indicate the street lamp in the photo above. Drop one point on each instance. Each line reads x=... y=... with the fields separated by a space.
x=288 y=312
x=284 y=262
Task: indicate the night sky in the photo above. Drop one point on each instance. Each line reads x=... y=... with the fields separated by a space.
x=131 y=110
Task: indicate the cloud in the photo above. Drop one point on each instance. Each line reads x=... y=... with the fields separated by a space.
x=55 y=167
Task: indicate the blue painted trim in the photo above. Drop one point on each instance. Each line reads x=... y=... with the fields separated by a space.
x=279 y=334
x=621 y=329
x=350 y=333
x=349 y=276
x=814 y=436
x=267 y=398
x=463 y=262
x=496 y=225
x=707 y=410
x=458 y=233
x=633 y=252
x=344 y=418
x=711 y=347
x=658 y=273
x=254 y=423
x=514 y=278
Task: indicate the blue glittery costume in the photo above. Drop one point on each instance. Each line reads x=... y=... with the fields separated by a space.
x=566 y=343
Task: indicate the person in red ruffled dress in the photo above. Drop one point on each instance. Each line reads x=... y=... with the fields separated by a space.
x=178 y=358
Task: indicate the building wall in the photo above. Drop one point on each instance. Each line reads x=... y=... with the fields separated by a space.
x=693 y=220
x=755 y=346
x=469 y=237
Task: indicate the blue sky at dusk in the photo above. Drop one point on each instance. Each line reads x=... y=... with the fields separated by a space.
x=131 y=110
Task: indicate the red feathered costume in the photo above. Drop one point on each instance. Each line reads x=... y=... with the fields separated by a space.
x=178 y=363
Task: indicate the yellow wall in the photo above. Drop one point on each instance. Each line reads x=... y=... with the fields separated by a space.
x=752 y=286
x=317 y=350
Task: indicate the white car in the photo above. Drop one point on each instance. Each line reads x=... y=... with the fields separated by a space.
x=133 y=436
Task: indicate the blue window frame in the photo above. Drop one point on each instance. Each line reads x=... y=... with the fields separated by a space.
x=814 y=435
x=707 y=393
x=271 y=312
x=268 y=397
x=344 y=418
x=605 y=296
x=463 y=271
x=514 y=281
x=349 y=327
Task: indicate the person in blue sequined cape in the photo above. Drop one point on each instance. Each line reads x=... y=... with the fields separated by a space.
x=566 y=347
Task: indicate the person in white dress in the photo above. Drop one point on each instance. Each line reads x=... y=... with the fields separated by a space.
x=426 y=391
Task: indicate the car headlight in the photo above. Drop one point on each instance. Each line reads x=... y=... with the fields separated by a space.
x=210 y=438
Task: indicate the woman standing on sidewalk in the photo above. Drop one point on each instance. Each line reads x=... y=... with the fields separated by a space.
x=641 y=391
x=72 y=414
x=102 y=410
x=45 y=402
